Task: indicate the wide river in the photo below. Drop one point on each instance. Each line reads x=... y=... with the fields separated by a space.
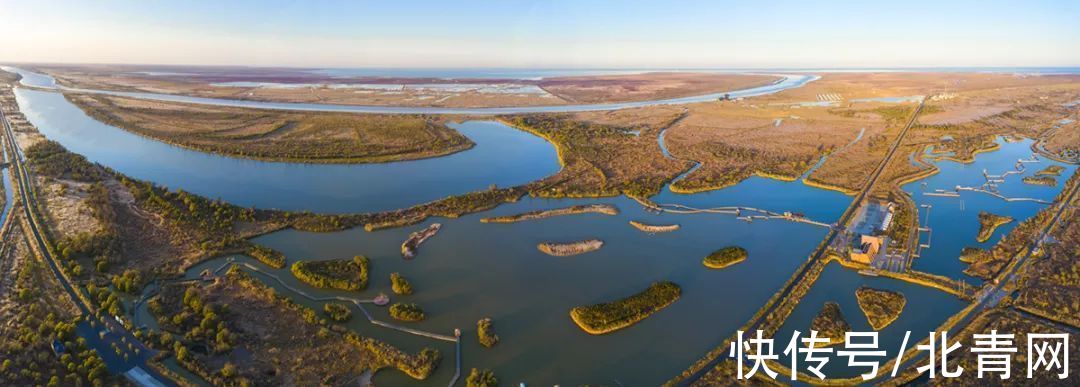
x=472 y=270
x=786 y=81
x=503 y=156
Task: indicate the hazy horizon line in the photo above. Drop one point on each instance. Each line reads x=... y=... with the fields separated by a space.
x=408 y=67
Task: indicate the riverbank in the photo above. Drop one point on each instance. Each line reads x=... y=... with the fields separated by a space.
x=729 y=181
x=817 y=184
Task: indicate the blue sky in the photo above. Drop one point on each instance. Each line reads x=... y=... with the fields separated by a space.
x=547 y=34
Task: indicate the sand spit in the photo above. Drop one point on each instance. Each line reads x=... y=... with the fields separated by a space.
x=654 y=228
x=572 y=248
x=605 y=209
x=408 y=249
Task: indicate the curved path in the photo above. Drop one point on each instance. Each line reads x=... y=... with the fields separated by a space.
x=787 y=81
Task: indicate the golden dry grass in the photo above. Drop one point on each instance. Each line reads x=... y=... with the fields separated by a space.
x=606 y=153
x=279 y=135
x=558 y=90
x=898 y=84
x=648 y=86
x=736 y=140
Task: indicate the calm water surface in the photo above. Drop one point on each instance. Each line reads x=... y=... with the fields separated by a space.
x=925 y=310
x=954 y=221
x=472 y=270
x=503 y=156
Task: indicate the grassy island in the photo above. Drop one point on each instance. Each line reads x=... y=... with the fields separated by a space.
x=400 y=285
x=654 y=228
x=830 y=323
x=408 y=248
x=1049 y=181
x=881 y=307
x=406 y=312
x=481 y=378
x=486 y=333
x=988 y=223
x=605 y=209
x=449 y=207
x=725 y=257
x=270 y=257
x=1053 y=170
x=341 y=274
x=611 y=316
x=337 y=311
x=572 y=248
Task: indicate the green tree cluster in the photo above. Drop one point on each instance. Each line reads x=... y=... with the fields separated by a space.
x=400 y=285
x=486 y=333
x=481 y=378
x=337 y=311
x=406 y=312
x=341 y=274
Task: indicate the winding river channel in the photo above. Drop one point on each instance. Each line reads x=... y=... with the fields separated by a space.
x=472 y=270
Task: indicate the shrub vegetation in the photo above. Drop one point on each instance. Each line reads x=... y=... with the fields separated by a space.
x=337 y=311
x=486 y=333
x=341 y=274
x=725 y=257
x=406 y=312
x=400 y=285
x=611 y=316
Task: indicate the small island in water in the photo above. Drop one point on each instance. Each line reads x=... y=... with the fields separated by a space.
x=830 y=323
x=340 y=274
x=725 y=257
x=409 y=247
x=611 y=316
x=1049 y=181
x=605 y=209
x=654 y=228
x=1053 y=170
x=572 y=248
x=881 y=307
